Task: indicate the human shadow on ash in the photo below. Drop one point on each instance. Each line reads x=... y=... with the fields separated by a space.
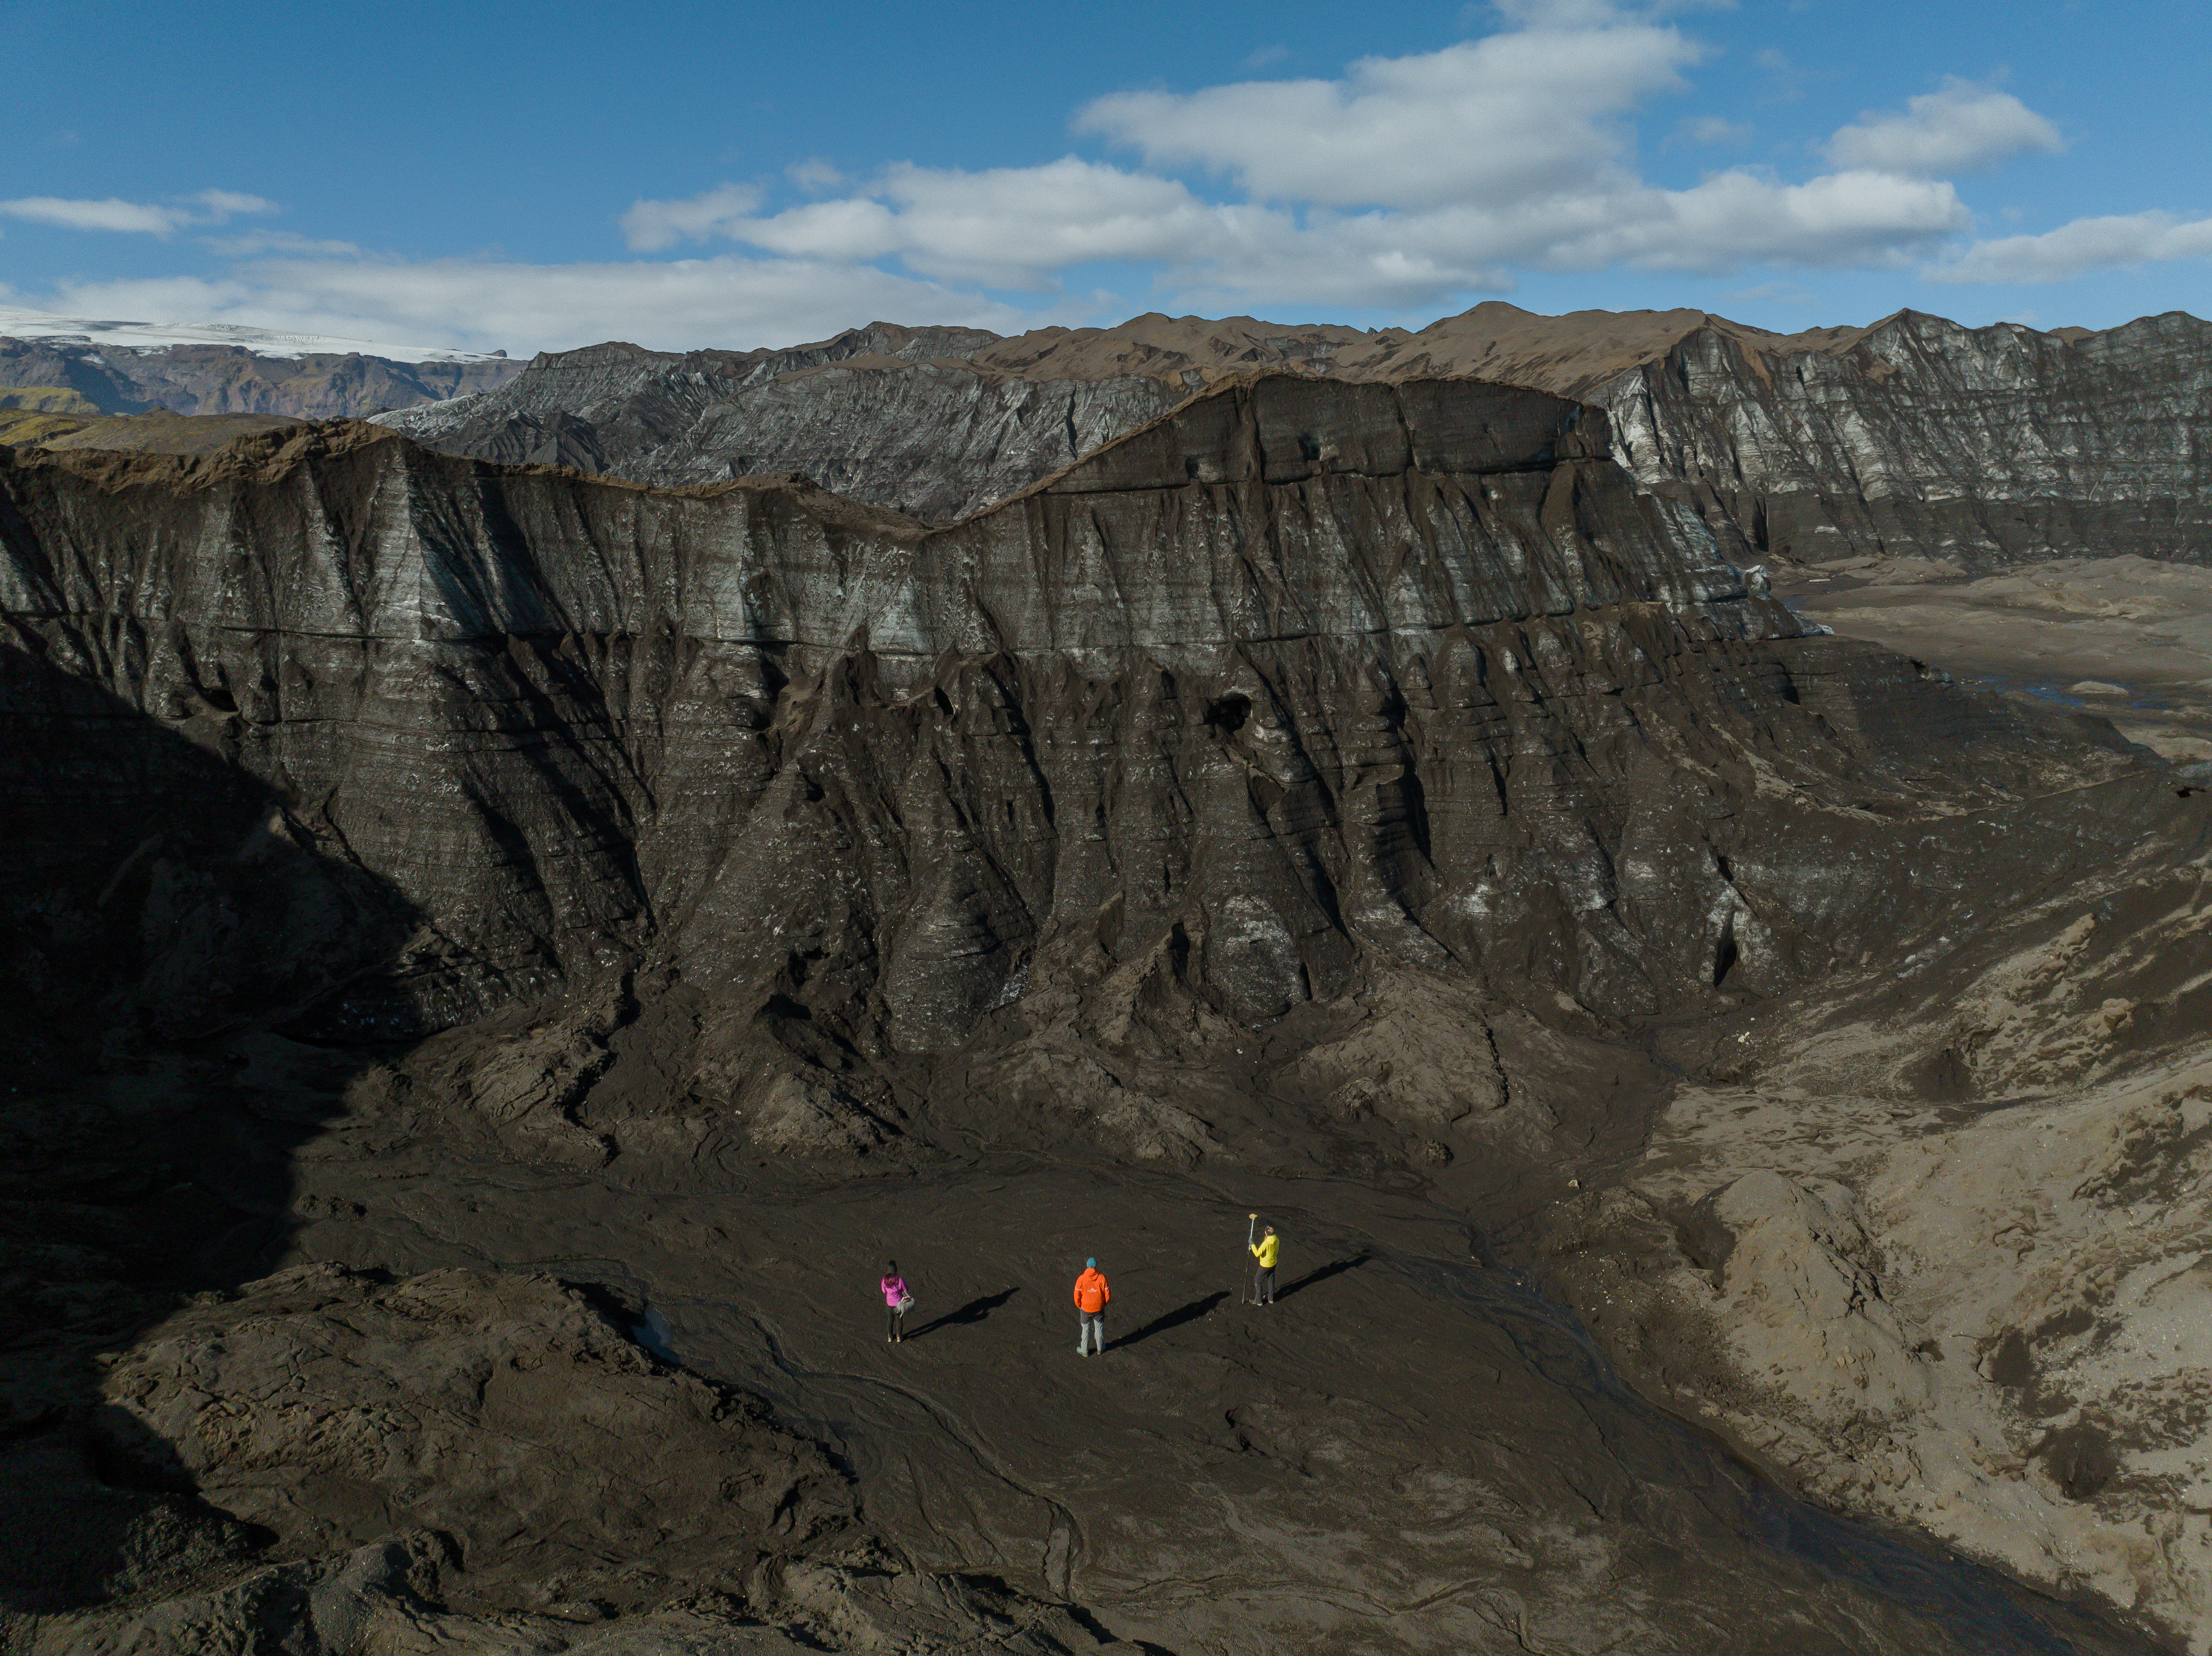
x=1175 y=1319
x=1321 y=1274
x=967 y=1315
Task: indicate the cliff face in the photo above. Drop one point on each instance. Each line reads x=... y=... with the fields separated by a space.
x=1983 y=447
x=1302 y=670
x=233 y=379
x=898 y=417
x=1914 y=437
x=484 y=866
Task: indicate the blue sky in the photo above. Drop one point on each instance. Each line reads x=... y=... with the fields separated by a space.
x=496 y=175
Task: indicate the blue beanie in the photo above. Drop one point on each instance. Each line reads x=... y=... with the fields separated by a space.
x=1091 y=1265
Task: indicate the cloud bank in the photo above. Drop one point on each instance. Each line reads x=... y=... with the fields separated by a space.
x=133 y=217
x=1405 y=184
x=2076 y=249
x=1961 y=129
x=476 y=305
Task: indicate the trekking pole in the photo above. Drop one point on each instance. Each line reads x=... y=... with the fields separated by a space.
x=1243 y=1292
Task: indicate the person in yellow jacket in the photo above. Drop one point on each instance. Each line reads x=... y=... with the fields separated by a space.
x=1267 y=1251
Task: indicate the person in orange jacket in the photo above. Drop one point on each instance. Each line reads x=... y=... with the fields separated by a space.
x=1091 y=1295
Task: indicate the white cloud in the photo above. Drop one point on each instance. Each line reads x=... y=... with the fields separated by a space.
x=1711 y=130
x=131 y=217
x=1730 y=220
x=256 y=243
x=814 y=174
x=477 y=305
x=1737 y=218
x=1020 y=228
x=650 y=226
x=1488 y=120
x=1500 y=155
x=2076 y=249
x=1961 y=127
x=112 y=214
x=1006 y=227
x=222 y=205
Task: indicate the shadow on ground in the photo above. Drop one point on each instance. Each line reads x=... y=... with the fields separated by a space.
x=1321 y=1274
x=967 y=1315
x=1175 y=1319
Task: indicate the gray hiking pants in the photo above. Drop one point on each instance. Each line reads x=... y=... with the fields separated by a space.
x=1090 y=1333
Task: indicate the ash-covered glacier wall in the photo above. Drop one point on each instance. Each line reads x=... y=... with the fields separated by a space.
x=1301 y=674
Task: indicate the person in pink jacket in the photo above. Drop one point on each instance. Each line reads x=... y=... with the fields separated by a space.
x=898 y=1301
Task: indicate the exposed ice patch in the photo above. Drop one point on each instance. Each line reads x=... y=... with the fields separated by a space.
x=265 y=342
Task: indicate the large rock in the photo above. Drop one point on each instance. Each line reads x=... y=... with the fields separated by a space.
x=503 y=1413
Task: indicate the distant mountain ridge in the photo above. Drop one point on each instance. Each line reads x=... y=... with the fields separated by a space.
x=1912 y=436
x=195 y=368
